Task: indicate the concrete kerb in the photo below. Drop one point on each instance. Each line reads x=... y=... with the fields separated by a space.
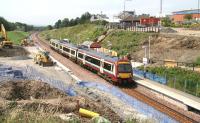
x=75 y=78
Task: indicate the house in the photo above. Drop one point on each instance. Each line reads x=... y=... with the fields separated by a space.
x=151 y=21
x=179 y=16
x=128 y=18
x=99 y=17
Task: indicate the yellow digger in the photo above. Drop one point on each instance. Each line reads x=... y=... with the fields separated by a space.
x=4 y=41
x=27 y=42
x=42 y=58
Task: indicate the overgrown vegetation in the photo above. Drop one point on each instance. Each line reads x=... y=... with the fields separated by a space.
x=67 y=23
x=17 y=36
x=20 y=116
x=181 y=79
x=77 y=34
x=124 y=41
x=9 y=26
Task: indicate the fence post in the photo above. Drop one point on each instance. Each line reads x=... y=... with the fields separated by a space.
x=197 y=89
x=166 y=77
x=174 y=82
x=185 y=85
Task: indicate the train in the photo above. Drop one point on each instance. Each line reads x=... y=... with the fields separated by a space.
x=113 y=69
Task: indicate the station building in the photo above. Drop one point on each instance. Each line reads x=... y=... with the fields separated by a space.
x=178 y=16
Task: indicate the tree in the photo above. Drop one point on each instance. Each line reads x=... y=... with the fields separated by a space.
x=166 y=22
x=188 y=17
x=5 y=23
x=85 y=17
x=49 y=27
x=58 y=24
x=65 y=22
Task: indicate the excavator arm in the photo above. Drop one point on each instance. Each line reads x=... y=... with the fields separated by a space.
x=4 y=33
x=5 y=42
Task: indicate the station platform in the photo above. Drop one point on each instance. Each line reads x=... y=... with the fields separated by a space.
x=184 y=98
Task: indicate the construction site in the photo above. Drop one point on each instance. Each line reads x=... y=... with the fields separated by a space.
x=138 y=68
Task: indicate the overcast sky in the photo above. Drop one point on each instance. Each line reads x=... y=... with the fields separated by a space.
x=45 y=12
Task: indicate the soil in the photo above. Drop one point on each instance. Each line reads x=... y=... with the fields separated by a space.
x=38 y=97
x=170 y=46
x=15 y=51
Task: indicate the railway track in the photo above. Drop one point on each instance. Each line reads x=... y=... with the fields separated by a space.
x=84 y=74
x=159 y=106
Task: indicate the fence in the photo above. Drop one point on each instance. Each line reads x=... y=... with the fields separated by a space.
x=134 y=28
x=143 y=29
x=178 y=82
x=28 y=73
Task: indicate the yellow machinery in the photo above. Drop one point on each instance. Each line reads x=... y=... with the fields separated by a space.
x=27 y=42
x=4 y=42
x=42 y=58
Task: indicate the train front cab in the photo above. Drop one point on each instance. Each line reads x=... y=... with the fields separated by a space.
x=124 y=72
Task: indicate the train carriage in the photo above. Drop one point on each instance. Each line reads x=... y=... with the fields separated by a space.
x=112 y=68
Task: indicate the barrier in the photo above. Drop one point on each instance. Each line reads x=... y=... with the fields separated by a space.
x=150 y=76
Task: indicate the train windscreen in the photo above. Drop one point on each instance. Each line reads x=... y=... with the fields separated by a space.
x=124 y=68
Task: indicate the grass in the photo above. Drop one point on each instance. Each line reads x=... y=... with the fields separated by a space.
x=29 y=117
x=181 y=79
x=17 y=36
x=77 y=34
x=125 y=41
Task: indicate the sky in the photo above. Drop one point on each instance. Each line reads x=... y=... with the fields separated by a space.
x=47 y=12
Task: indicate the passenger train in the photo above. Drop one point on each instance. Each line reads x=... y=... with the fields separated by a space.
x=113 y=69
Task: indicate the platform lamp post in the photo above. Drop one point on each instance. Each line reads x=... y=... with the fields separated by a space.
x=145 y=61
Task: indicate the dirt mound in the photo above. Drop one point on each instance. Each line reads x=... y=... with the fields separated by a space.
x=172 y=46
x=168 y=30
x=36 y=101
x=15 y=51
x=25 y=90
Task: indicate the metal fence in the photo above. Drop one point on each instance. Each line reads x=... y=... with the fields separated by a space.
x=183 y=84
x=8 y=73
x=134 y=28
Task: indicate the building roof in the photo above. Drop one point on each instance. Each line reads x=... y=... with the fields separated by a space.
x=193 y=11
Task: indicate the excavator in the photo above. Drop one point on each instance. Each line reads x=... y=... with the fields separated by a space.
x=43 y=58
x=4 y=41
x=27 y=42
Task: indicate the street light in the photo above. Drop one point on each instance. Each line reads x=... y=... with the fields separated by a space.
x=145 y=61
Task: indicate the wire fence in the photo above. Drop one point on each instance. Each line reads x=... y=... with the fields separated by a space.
x=8 y=73
x=181 y=83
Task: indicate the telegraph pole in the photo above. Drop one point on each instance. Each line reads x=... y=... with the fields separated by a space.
x=124 y=11
x=161 y=2
x=198 y=11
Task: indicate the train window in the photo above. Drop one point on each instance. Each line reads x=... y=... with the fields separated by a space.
x=66 y=49
x=80 y=55
x=56 y=45
x=53 y=44
x=92 y=60
x=60 y=47
x=72 y=52
x=107 y=66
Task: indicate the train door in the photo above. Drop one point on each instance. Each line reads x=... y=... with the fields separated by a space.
x=84 y=56
x=101 y=65
x=70 y=52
